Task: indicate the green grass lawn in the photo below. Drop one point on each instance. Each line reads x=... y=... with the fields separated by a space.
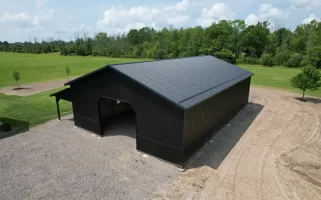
x=42 y=67
x=40 y=108
x=275 y=77
x=35 y=109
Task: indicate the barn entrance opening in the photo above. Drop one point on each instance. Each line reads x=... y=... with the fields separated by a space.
x=116 y=118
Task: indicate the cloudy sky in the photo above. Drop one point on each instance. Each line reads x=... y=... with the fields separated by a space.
x=22 y=20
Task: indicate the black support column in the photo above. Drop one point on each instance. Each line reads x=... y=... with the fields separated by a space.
x=58 y=111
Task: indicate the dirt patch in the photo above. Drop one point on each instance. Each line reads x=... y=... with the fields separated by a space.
x=270 y=150
x=33 y=88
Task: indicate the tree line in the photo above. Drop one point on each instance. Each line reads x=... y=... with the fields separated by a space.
x=232 y=41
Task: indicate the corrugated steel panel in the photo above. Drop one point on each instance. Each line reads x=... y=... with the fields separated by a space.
x=182 y=79
x=195 y=100
x=215 y=112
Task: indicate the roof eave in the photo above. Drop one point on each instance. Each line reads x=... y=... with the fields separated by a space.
x=59 y=92
x=243 y=77
x=86 y=75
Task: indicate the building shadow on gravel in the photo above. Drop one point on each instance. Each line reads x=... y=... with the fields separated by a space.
x=224 y=140
x=17 y=126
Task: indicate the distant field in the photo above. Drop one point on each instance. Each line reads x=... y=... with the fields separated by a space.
x=42 y=67
x=275 y=77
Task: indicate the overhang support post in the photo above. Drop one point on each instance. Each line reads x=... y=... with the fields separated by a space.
x=58 y=111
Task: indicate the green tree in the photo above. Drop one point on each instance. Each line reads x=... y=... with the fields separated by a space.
x=294 y=60
x=226 y=55
x=256 y=39
x=16 y=77
x=67 y=72
x=308 y=79
x=281 y=58
x=267 y=59
x=226 y=39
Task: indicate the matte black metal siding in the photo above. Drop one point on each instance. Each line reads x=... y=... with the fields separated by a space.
x=157 y=119
x=202 y=119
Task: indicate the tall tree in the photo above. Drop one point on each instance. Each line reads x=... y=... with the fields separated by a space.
x=256 y=39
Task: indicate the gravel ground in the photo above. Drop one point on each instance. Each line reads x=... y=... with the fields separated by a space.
x=58 y=161
x=270 y=150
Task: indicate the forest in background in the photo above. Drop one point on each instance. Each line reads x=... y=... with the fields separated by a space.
x=232 y=41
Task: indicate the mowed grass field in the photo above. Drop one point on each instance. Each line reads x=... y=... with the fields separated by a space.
x=42 y=67
x=35 y=109
x=39 y=108
x=276 y=77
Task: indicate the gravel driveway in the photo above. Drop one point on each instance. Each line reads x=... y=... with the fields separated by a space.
x=58 y=161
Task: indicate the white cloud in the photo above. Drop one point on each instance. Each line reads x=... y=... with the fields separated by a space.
x=218 y=11
x=42 y=20
x=307 y=4
x=21 y=19
x=120 y=20
x=72 y=17
x=41 y=3
x=252 y=19
x=24 y=20
x=178 y=20
x=118 y=15
x=311 y=18
x=180 y=6
x=267 y=12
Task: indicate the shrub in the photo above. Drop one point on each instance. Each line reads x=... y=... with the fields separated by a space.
x=160 y=54
x=305 y=61
x=67 y=69
x=315 y=56
x=308 y=79
x=253 y=61
x=281 y=58
x=16 y=77
x=294 y=61
x=226 y=55
x=266 y=59
x=248 y=60
x=6 y=127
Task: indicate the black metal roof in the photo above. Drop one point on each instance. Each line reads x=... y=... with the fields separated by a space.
x=184 y=81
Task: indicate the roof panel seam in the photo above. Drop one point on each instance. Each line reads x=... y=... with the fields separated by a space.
x=247 y=73
x=150 y=89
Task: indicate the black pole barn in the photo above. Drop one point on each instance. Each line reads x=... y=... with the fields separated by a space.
x=178 y=102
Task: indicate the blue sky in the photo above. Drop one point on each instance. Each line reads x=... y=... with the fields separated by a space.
x=22 y=20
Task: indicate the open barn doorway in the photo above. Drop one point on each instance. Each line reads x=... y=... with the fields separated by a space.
x=116 y=118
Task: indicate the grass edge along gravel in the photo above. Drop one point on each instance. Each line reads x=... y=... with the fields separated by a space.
x=34 y=109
